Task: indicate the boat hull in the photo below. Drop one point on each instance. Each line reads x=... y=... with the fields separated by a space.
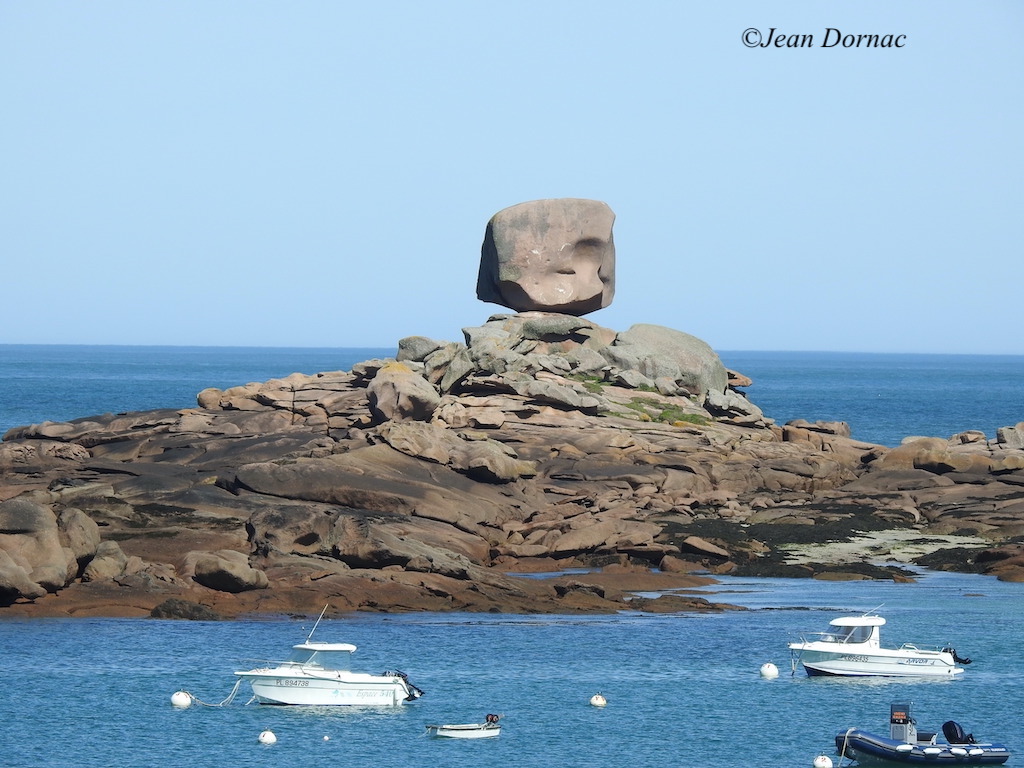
x=854 y=664
x=465 y=731
x=867 y=747
x=315 y=692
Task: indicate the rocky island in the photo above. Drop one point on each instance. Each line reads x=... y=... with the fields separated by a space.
x=449 y=477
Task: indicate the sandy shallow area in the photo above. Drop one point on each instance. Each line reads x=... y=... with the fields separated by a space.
x=878 y=547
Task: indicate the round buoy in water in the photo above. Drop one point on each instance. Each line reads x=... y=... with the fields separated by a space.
x=769 y=670
x=327 y=738
x=823 y=761
x=268 y=737
x=598 y=700
x=181 y=699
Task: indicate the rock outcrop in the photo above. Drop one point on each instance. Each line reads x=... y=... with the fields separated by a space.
x=539 y=442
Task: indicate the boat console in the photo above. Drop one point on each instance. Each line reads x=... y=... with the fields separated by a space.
x=903 y=727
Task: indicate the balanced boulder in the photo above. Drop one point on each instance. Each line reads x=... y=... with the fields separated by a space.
x=549 y=255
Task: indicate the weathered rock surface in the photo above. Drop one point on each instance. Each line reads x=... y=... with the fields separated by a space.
x=549 y=255
x=108 y=562
x=30 y=536
x=225 y=571
x=540 y=442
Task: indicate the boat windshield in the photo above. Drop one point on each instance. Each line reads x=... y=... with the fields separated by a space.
x=325 y=659
x=848 y=634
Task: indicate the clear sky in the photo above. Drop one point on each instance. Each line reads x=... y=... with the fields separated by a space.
x=320 y=173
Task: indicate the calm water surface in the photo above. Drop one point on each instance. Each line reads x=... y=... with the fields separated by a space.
x=683 y=690
x=63 y=382
x=886 y=397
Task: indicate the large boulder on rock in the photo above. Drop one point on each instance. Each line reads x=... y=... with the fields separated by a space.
x=658 y=352
x=735 y=408
x=15 y=581
x=938 y=456
x=30 y=536
x=226 y=571
x=549 y=255
x=1011 y=437
x=109 y=563
x=398 y=393
x=79 y=534
x=416 y=348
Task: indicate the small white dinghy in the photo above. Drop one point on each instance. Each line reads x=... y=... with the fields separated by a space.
x=485 y=730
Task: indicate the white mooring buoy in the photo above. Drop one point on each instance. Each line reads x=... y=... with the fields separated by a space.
x=823 y=761
x=769 y=671
x=598 y=700
x=268 y=737
x=181 y=699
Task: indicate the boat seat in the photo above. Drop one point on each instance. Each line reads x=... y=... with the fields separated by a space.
x=925 y=737
x=954 y=733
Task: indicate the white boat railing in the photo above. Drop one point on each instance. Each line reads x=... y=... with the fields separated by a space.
x=933 y=650
x=822 y=637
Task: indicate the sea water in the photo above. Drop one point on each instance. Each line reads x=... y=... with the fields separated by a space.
x=682 y=689
x=887 y=397
x=63 y=382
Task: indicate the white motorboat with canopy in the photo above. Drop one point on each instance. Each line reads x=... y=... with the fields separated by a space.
x=319 y=674
x=852 y=647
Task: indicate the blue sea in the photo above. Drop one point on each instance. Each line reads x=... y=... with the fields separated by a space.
x=58 y=383
x=886 y=397
x=682 y=690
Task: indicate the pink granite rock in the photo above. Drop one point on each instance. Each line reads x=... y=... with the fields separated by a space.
x=549 y=256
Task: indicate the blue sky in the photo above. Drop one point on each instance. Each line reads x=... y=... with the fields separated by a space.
x=312 y=173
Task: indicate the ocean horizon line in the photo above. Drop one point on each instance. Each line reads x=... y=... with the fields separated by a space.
x=377 y=347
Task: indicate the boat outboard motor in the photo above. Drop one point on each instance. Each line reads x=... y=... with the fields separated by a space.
x=901 y=725
x=954 y=733
x=952 y=651
x=414 y=692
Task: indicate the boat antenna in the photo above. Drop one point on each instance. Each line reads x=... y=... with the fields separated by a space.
x=317 y=624
x=874 y=610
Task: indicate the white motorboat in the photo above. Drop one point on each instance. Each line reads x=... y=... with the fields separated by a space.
x=318 y=674
x=852 y=647
x=488 y=729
